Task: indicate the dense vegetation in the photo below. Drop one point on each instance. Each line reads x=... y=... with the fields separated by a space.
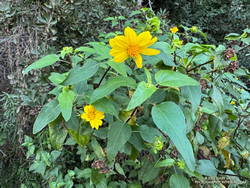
x=181 y=120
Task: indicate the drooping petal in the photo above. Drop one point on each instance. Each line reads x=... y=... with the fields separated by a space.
x=118 y=42
x=95 y=123
x=150 y=51
x=131 y=35
x=138 y=61
x=121 y=57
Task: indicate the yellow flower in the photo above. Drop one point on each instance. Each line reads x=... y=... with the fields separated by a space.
x=174 y=29
x=92 y=115
x=132 y=45
x=233 y=102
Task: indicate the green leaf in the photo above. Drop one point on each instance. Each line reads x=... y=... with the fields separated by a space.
x=105 y=105
x=57 y=135
x=149 y=133
x=81 y=139
x=148 y=172
x=206 y=167
x=66 y=99
x=217 y=99
x=174 y=79
x=178 y=181
x=118 y=135
x=101 y=49
x=79 y=74
x=38 y=167
x=119 y=169
x=141 y=94
x=165 y=54
x=215 y=127
x=48 y=114
x=165 y=163
x=110 y=86
x=193 y=94
x=170 y=119
x=97 y=148
x=43 y=62
x=57 y=78
x=121 y=68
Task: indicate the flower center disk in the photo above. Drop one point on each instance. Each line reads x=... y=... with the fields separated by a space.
x=133 y=51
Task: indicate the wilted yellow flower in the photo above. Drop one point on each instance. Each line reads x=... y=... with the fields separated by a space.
x=223 y=142
x=93 y=116
x=174 y=29
x=132 y=45
x=194 y=29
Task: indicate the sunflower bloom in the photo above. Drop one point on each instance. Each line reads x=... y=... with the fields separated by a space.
x=132 y=45
x=174 y=29
x=93 y=116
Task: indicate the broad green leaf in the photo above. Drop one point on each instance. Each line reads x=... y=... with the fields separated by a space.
x=81 y=139
x=217 y=99
x=215 y=126
x=206 y=167
x=57 y=78
x=105 y=105
x=165 y=163
x=193 y=94
x=101 y=49
x=112 y=85
x=149 y=133
x=79 y=74
x=165 y=54
x=148 y=172
x=174 y=79
x=178 y=181
x=57 y=135
x=66 y=99
x=38 y=167
x=43 y=62
x=121 y=68
x=141 y=94
x=48 y=114
x=170 y=119
x=97 y=148
x=119 y=133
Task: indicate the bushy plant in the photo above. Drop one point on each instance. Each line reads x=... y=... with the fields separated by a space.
x=132 y=110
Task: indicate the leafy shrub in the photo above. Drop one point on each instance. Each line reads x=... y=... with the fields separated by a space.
x=183 y=116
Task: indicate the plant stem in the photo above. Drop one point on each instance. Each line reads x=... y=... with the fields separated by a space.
x=131 y=115
x=200 y=65
x=103 y=76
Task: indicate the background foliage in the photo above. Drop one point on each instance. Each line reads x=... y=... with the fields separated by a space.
x=31 y=28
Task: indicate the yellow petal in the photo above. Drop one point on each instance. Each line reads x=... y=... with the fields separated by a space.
x=85 y=116
x=150 y=51
x=148 y=43
x=121 y=57
x=118 y=42
x=99 y=115
x=114 y=51
x=144 y=36
x=88 y=108
x=131 y=35
x=138 y=61
x=95 y=123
